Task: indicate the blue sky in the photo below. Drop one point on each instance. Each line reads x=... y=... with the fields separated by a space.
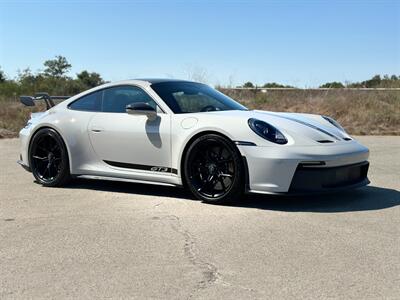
x=302 y=43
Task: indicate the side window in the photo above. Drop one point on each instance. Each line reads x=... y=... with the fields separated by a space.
x=91 y=102
x=189 y=102
x=117 y=98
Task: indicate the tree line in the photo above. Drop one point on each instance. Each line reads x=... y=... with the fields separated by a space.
x=53 y=79
x=376 y=81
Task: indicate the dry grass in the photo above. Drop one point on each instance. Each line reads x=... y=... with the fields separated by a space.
x=360 y=112
x=13 y=116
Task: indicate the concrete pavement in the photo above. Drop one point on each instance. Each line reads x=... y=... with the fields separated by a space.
x=120 y=240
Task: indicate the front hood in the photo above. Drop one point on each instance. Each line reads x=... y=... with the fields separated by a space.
x=302 y=128
x=312 y=126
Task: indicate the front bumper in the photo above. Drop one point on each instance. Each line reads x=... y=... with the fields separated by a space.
x=24 y=136
x=22 y=164
x=279 y=170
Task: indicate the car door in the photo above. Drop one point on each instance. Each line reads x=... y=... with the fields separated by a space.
x=132 y=142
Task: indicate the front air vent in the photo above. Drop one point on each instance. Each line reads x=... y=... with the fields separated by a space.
x=324 y=141
x=347 y=139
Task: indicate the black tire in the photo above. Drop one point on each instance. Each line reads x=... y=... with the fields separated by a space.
x=213 y=169
x=48 y=158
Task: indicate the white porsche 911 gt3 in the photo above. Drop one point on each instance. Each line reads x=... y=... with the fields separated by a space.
x=182 y=133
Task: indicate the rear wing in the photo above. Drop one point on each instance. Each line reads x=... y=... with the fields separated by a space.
x=49 y=100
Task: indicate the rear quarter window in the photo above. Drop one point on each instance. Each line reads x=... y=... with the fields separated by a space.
x=91 y=102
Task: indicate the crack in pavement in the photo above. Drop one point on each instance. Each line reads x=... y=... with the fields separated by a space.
x=209 y=271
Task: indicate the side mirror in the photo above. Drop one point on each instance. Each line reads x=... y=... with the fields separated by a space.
x=141 y=108
x=27 y=100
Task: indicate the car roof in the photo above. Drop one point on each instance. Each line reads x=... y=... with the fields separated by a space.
x=142 y=82
x=158 y=80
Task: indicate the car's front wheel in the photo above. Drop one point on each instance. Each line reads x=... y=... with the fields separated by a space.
x=213 y=169
x=48 y=158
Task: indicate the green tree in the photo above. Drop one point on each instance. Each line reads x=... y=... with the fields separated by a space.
x=275 y=85
x=248 y=85
x=373 y=82
x=90 y=79
x=27 y=81
x=26 y=76
x=2 y=76
x=334 y=85
x=57 y=67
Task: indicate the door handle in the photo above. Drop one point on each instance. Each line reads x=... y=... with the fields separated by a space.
x=97 y=129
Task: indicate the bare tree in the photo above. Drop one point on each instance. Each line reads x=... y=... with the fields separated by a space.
x=196 y=73
x=231 y=81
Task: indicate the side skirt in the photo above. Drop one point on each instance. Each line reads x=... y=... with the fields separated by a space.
x=109 y=178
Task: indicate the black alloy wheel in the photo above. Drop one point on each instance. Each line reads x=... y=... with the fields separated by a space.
x=214 y=169
x=48 y=158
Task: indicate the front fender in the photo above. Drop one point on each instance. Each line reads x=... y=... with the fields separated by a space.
x=181 y=138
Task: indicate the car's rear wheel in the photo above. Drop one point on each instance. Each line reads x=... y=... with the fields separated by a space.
x=48 y=158
x=213 y=169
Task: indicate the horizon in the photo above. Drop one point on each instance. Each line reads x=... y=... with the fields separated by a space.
x=303 y=44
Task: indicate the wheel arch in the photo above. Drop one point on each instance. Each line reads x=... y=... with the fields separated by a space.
x=202 y=133
x=47 y=126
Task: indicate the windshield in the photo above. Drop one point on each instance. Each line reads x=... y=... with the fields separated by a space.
x=191 y=97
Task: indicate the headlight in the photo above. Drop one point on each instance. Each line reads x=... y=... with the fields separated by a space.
x=334 y=123
x=267 y=131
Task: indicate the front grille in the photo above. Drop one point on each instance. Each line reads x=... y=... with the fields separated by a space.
x=317 y=179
